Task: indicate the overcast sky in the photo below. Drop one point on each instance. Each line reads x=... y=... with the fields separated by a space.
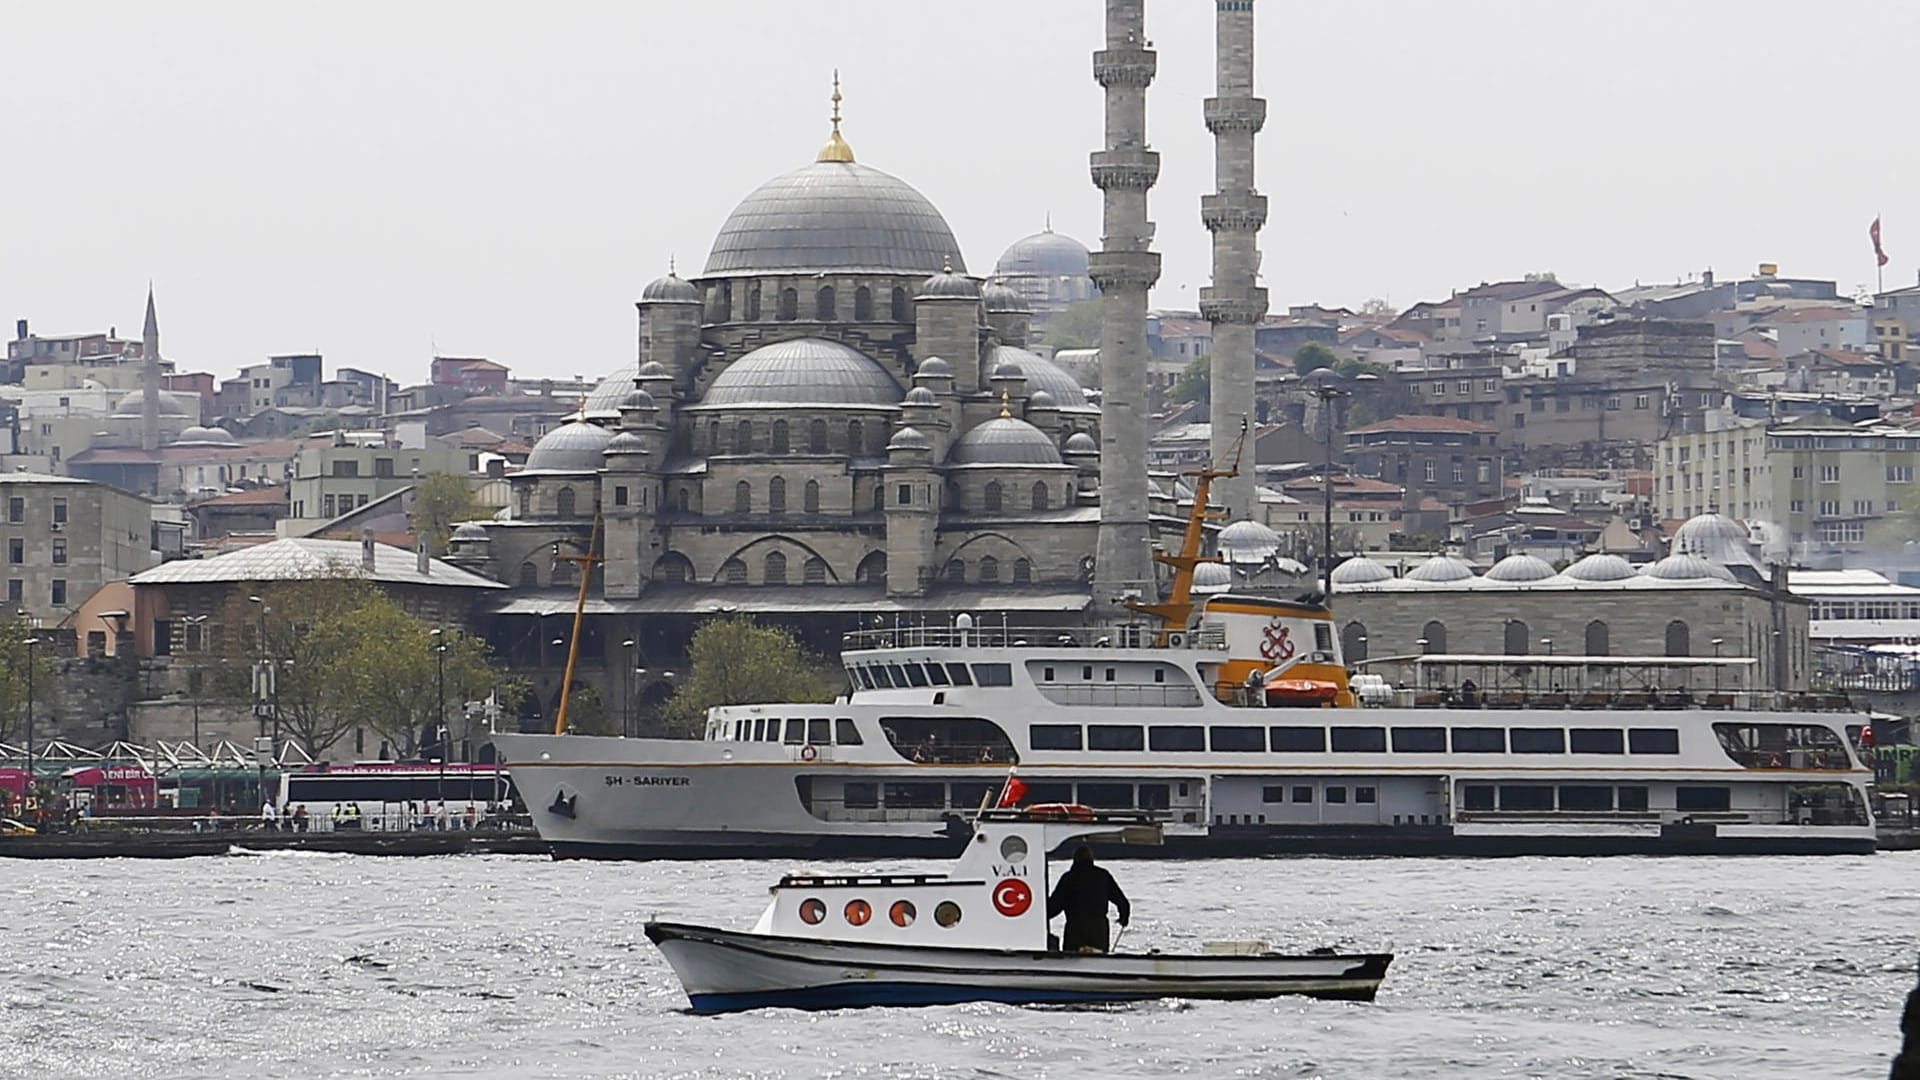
x=374 y=180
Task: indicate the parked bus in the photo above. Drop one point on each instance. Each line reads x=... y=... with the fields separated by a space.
x=396 y=796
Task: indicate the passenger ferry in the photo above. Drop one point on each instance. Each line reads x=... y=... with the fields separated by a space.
x=1236 y=723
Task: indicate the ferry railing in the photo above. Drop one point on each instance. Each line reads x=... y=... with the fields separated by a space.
x=1021 y=637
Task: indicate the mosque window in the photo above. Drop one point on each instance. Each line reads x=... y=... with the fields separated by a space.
x=990 y=498
x=753 y=301
x=810 y=500
x=529 y=576
x=879 y=497
x=563 y=503
x=1679 y=639
x=855 y=438
x=789 y=305
x=776 y=568
x=1516 y=639
x=780 y=438
x=956 y=571
x=1597 y=643
x=733 y=572
x=863 y=304
x=989 y=568
x=814 y=572
x=743 y=437
x=526 y=503
x=1040 y=498
x=823 y=304
x=713 y=437
x=1022 y=572
x=777 y=495
x=873 y=568
x=743 y=498
x=723 y=302
x=562 y=573
x=900 y=305
x=685 y=500
x=673 y=568
x=817 y=437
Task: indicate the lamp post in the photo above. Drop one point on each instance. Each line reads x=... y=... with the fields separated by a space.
x=196 y=673
x=265 y=680
x=440 y=708
x=627 y=670
x=1717 y=642
x=33 y=640
x=1328 y=394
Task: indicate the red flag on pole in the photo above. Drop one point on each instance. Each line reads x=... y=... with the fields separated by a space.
x=1879 y=252
x=1011 y=795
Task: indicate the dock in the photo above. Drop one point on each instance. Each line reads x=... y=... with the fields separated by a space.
x=176 y=844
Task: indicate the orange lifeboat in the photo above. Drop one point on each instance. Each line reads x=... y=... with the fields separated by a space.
x=1308 y=692
x=1060 y=812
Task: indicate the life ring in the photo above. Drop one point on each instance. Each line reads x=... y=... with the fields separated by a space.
x=1012 y=897
x=1054 y=811
x=808 y=753
x=1773 y=761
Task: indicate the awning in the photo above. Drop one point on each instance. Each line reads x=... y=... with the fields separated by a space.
x=103 y=775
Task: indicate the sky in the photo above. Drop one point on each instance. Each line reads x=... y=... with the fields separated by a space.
x=381 y=181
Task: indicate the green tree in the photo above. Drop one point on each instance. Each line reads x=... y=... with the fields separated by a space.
x=1078 y=327
x=737 y=661
x=587 y=712
x=1312 y=357
x=1196 y=382
x=14 y=652
x=441 y=501
x=1376 y=305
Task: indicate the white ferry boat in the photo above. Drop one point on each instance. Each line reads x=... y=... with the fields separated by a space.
x=1235 y=722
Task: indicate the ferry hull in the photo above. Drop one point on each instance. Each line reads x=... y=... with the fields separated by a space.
x=728 y=971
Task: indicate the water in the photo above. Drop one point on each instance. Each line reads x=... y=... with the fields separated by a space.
x=302 y=965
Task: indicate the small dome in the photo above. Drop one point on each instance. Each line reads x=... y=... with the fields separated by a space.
x=470 y=531
x=1600 y=566
x=804 y=371
x=1361 y=570
x=609 y=392
x=575 y=447
x=1248 y=541
x=1685 y=567
x=935 y=368
x=1040 y=399
x=1044 y=254
x=1715 y=538
x=1041 y=374
x=947 y=285
x=133 y=404
x=672 y=289
x=626 y=443
x=909 y=438
x=1081 y=443
x=639 y=399
x=1520 y=567
x=1212 y=577
x=653 y=369
x=198 y=434
x=920 y=395
x=1005 y=441
x=1442 y=570
x=1009 y=370
x=999 y=298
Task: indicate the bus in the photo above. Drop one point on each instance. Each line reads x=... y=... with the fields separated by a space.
x=395 y=796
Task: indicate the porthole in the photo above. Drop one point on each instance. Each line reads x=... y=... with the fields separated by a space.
x=946 y=913
x=902 y=913
x=1013 y=849
x=858 y=912
x=812 y=911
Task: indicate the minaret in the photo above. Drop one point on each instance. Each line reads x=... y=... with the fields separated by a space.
x=150 y=379
x=1124 y=269
x=1234 y=214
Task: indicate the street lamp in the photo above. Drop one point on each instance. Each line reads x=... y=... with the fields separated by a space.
x=627 y=671
x=195 y=676
x=1717 y=642
x=33 y=639
x=1328 y=394
x=440 y=707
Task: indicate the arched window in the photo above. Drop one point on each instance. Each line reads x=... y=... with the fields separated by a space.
x=743 y=437
x=789 y=305
x=563 y=503
x=1679 y=639
x=1597 y=644
x=713 y=437
x=873 y=568
x=990 y=498
x=776 y=572
x=1353 y=642
x=526 y=503
x=900 y=313
x=817 y=437
x=743 y=498
x=823 y=304
x=780 y=443
x=562 y=573
x=723 y=302
x=686 y=500
x=879 y=498
x=989 y=568
x=529 y=576
x=777 y=495
x=1022 y=572
x=733 y=572
x=1517 y=638
x=863 y=304
x=814 y=572
x=1040 y=498
x=810 y=499
x=673 y=568
x=1435 y=636
x=753 y=301
x=956 y=571
x=856 y=438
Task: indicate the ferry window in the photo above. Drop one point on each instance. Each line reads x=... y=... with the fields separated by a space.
x=1529 y=740
x=899 y=676
x=1041 y=794
x=881 y=678
x=1419 y=740
x=866 y=680
x=817 y=731
x=1323 y=637
x=1274 y=793
x=916 y=675
x=993 y=674
x=772 y=734
x=1303 y=793
x=1107 y=796
x=1054 y=736
x=970 y=795
x=1239 y=740
x=1702 y=798
x=1525 y=797
x=1654 y=740
x=915 y=796
x=1633 y=799
x=1336 y=794
x=1298 y=740
x=1360 y=740
x=1086 y=673
x=1046 y=674
x=958 y=673
x=845 y=733
x=796 y=731
x=1159 y=674
x=861 y=796
x=1115 y=737
x=936 y=675
x=1586 y=797
x=946 y=913
x=1109 y=674
x=1476 y=797
x=1586 y=740
x=1480 y=740
x=1171 y=737
x=1366 y=795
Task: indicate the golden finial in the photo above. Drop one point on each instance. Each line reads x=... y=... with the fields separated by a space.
x=836 y=148
x=1006 y=406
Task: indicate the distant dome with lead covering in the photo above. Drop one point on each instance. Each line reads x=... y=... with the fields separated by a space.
x=909 y=438
x=575 y=447
x=211 y=435
x=999 y=298
x=935 y=368
x=1685 y=567
x=1005 y=441
x=1520 y=567
x=133 y=405
x=804 y=371
x=1717 y=539
x=1441 y=570
x=609 y=392
x=1212 y=577
x=672 y=289
x=1248 y=541
x=1044 y=254
x=1600 y=566
x=1361 y=570
x=1041 y=374
x=836 y=217
x=1081 y=443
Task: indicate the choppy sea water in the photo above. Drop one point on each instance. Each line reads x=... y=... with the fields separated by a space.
x=305 y=965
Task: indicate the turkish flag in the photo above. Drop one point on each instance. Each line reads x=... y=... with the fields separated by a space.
x=1011 y=795
x=1878 y=251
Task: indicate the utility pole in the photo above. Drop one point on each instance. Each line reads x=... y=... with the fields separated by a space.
x=440 y=710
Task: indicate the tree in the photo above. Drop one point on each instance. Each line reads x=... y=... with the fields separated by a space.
x=1196 y=382
x=1078 y=327
x=587 y=712
x=737 y=661
x=1312 y=357
x=441 y=501
x=1376 y=306
x=14 y=651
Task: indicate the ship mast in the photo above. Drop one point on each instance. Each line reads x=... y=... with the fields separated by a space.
x=586 y=563
x=1176 y=609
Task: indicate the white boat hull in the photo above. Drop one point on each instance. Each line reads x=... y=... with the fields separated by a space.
x=728 y=971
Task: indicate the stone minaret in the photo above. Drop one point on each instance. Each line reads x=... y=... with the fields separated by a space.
x=1124 y=269
x=1234 y=214
x=150 y=379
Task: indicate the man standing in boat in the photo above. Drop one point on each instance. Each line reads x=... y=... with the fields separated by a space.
x=1083 y=893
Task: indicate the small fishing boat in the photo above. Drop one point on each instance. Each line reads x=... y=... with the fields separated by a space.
x=978 y=933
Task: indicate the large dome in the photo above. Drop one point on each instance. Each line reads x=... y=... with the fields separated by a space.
x=575 y=447
x=611 y=391
x=1248 y=541
x=833 y=217
x=804 y=371
x=1044 y=254
x=1041 y=374
x=1005 y=441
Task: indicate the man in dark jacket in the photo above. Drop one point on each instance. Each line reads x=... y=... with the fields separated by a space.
x=1083 y=893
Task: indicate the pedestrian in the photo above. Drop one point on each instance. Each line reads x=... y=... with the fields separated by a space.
x=300 y=817
x=269 y=815
x=1083 y=894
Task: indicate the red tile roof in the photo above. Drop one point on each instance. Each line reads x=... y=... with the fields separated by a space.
x=266 y=496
